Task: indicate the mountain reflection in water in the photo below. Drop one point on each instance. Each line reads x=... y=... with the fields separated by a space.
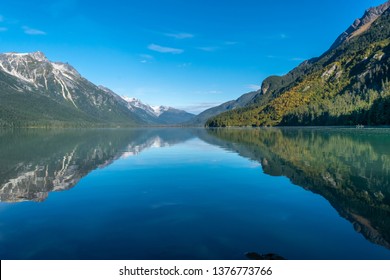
x=350 y=168
x=35 y=162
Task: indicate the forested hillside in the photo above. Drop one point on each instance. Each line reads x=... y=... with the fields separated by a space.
x=347 y=85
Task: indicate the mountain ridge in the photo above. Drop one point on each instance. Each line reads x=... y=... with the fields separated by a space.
x=361 y=24
x=243 y=100
x=38 y=92
x=347 y=85
x=159 y=115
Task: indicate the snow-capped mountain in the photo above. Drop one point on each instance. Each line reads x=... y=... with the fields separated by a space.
x=36 y=91
x=157 y=114
x=134 y=104
x=36 y=70
x=159 y=110
x=152 y=110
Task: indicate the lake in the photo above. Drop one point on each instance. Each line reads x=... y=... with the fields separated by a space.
x=172 y=193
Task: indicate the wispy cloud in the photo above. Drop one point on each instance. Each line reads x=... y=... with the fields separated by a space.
x=1 y=18
x=3 y=29
x=254 y=87
x=180 y=35
x=32 y=31
x=146 y=58
x=208 y=49
x=161 y=49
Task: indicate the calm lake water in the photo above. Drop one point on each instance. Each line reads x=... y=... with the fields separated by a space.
x=195 y=193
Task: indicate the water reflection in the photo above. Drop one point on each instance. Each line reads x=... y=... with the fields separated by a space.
x=348 y=167
x=36 y=162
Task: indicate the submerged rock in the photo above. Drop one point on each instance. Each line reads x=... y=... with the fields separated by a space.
x=269 y=256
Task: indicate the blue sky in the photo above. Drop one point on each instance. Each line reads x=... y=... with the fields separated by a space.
x=190 y=54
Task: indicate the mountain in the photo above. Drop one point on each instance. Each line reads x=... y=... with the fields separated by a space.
x=362 y=24
x=230 y=105
x=36 y=92
x=158 y=115
x=347 y=85
x=173 y=116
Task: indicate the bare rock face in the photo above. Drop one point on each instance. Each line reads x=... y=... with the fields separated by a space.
x=59 y=86
x=362 y=24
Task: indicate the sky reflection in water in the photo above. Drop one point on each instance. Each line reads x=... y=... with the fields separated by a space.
x=193 y=194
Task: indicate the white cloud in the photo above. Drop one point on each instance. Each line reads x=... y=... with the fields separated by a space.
x=146 y=58
x=254 y=87
x=161 y=49
x=32 y=31
x=3 y=29
x=179 y=35
x=208 y=49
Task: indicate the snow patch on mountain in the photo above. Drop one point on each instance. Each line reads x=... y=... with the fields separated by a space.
x=152 y=110
x=159 y=110
x=34 y=69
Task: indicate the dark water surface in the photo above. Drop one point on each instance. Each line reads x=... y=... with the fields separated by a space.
x=195 y=193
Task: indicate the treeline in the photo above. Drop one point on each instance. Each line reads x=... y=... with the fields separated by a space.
x=372 y=108
x=369 y=108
